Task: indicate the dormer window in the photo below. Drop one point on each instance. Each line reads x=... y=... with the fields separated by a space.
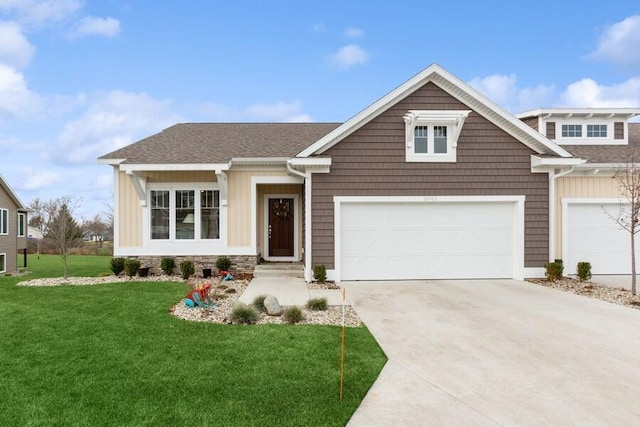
x=572 y=131
x=432 y=136
x=596 y=131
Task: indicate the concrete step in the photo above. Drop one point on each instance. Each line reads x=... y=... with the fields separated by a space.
x=279 y=270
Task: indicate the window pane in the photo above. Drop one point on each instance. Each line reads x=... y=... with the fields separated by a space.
x=420 y=139
x=596 y=131
x=4 y=221
x=185 y=214
x=209 y=214
x=160 y=214
x=3 y=263
x=440 y=139
x=571 y=131
x=21 y=225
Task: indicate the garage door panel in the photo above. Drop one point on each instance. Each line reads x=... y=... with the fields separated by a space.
x=427 y=240
x=593 y=236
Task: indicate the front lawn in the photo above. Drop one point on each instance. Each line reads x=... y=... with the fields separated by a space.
x=112 y=355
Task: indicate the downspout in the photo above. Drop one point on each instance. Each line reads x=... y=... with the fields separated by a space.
x=552 y=209
x=307 y=218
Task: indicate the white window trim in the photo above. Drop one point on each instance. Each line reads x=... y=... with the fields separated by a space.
x=172 y=245
x=589 y=140
x=3 y=265
x=452 y=119
x=22 y=218
x=4 y=213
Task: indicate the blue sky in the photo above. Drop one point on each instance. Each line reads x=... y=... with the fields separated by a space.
x=79 y=79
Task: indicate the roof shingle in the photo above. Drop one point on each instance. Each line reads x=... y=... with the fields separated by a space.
x=609 y=153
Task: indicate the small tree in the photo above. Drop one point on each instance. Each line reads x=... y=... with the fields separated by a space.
x=628 y=178
x=61 y=228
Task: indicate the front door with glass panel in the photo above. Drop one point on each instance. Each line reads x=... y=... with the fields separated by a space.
x=281 y=227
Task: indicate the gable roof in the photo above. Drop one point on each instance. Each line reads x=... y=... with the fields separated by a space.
x=188 y=143
x=611 y=153
x=5 y=185
x=459 y=90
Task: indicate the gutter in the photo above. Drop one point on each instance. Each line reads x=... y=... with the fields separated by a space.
x=307 y=218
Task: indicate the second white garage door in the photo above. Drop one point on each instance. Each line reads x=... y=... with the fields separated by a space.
x=591 y=235
x=428 y=240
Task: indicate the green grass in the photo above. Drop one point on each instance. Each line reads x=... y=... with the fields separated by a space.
x=112 y=355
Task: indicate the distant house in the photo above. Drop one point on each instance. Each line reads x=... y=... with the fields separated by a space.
x=13 y=230
x=432 y=181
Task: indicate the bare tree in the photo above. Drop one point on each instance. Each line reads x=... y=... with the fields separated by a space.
x=96 y=227
x=107 y=214
x=38 y=218
x=628 y=178
x=61 y=228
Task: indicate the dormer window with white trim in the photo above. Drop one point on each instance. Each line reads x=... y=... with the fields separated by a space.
x=432 y=135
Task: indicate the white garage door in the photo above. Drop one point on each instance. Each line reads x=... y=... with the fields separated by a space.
x=591 y=235
x=429 y=240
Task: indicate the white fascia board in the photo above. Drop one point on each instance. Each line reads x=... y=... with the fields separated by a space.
x=113 y=162
x=537 y=161
x=258 y=161
x=135 y=167
x=12 y=194
x=581 y=112
x=310 y=162
x=456 y=88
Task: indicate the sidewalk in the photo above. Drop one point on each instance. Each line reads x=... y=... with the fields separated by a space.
x=288 y=291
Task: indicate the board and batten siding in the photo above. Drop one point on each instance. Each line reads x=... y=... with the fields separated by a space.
x=371 y=162
x=129 y=213
x=581 y=187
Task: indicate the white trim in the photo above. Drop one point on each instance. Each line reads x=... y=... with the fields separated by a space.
x=24 y=224
x=459 y=90
x=566 y=201
x=452 y=120
x=308 y=265
x=3 y=269
x=116 y=211
x=534 y=273
x=518 y=221
x=11 y=193
x=4 y=213
x=310 y=161
x=625 y=113
x=132 y=167
x=255 y=181
x=296 y=224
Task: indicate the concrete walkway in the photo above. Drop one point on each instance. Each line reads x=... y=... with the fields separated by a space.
x=497 y=353
x=288 y=291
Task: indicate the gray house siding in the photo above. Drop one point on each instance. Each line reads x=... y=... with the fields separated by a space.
x=371 y=162
x=8 y=242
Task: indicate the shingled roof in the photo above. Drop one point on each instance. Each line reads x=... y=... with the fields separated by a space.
x=187 y=143
x=609 y=153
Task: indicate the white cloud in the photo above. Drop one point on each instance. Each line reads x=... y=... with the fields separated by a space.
x=354 y=33
x=279 y=112
x=15 y=98
x=38 y=179
x=588 y=93
x=503 y=90
x=112 y=121
x=348 y=56
x=15 y=49
x=619 y=43
x=94 y=26
x=40 y=12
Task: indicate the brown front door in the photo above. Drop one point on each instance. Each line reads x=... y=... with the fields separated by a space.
x=281 y=227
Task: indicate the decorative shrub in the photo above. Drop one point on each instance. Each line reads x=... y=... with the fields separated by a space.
x=143 y=271
x=292 y=315
x=187 y=269
x=223 y=263
x=317 y=304
x=258 y=303
x=320 y=273
x=584 y=271
x=244 y=314
x=167 y=265
x=131 y=267
x=117 y=265
x=554 y=270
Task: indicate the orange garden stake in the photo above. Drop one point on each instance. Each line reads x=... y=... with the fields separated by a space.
x=342 y=348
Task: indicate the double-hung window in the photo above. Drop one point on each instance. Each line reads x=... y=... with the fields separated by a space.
x=4 y=221
x=22 y=224
x=184 y=214
x=432 y=136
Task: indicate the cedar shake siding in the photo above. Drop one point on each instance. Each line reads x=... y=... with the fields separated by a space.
x=371 y=162
x=532 y=122
x=551 y=130
x=618 y=130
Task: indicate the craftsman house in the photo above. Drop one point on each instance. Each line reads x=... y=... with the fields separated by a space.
x=13 y=230
x=432 y=181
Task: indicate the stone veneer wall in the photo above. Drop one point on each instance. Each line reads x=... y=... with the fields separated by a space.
x=239 y=263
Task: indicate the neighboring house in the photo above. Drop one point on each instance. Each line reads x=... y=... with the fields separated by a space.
x=586 y=197
x=432 y=181
x=13 y=230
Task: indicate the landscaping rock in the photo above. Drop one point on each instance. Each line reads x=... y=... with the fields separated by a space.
x=272 y=306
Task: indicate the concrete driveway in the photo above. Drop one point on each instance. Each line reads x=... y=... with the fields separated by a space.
x=498 y=353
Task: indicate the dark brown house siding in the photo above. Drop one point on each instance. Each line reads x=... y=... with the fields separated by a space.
x=618 y=130
x=551 y=130
x=371 y=162
x=532 y=122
